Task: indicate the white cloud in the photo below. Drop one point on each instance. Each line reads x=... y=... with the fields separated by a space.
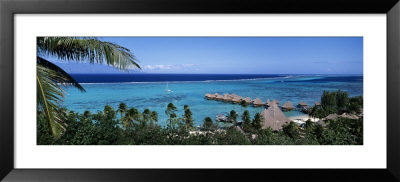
x=157 y=67
x=167 y=67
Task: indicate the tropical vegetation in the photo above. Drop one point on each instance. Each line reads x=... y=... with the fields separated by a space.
x=51 y=79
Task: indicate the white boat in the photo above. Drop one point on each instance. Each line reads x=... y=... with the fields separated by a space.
x=168 y=90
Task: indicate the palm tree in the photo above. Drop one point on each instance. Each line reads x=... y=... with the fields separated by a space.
x=50 y=78
x=109 y=112
x=232 y=117
x=171 y=108
x=188 y=117
x=122 y=107
x=247 y=121
x=257 y=121
x=154 y=116
x=130 y=116
x=146 y=115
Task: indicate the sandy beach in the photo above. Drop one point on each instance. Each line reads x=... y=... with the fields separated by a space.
x=302 y=118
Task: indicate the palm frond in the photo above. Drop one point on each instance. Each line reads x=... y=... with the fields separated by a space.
x=63 y=77
x=87 y=49
x=49 y=98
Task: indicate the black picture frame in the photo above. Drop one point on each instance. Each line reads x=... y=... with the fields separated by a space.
x=8 y=8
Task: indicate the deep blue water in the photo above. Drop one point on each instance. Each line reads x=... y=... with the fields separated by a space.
x=149 y=91
x=115 y=78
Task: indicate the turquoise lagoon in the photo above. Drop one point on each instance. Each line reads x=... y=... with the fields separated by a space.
x=153 y=94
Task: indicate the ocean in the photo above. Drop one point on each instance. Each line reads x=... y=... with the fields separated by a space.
x=149 y=91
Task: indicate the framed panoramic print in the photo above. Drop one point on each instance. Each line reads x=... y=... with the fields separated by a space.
x=199 y=90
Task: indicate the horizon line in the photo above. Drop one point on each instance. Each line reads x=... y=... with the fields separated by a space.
x=226 y=73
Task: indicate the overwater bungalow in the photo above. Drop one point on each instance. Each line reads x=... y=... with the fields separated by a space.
x=227 y=98
x=302 y=104
x=288 y=106
x=248 y=100
x=237 y=99
x=211 y=96
x=219 y=97
x=272 y=103
x=208 y=96
x=274 y=118
x=257 y=102
x=233 y=95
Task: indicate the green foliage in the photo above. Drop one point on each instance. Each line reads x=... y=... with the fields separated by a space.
x=208 y=123
x=356 y=104
x=122 y=108
x=146 y=115
x=339 y=102
x=342 y=100
x=243 y=103
x=309 y=126
x=257 y=121
x=343 y=131
x=291 y=130
x=171 y=108
x=188 y=118
x=50 y=77
x=328 y=101
x=247 y=126
x=232 y=137
x=105 y=128
x=232 y=117
x=268 y=137
x=154 y=116
x=82 y=49
x=318 y=112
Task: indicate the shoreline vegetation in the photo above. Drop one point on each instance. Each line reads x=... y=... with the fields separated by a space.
x=336 y=120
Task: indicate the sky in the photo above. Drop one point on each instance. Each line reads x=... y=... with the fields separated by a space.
x=235 y=55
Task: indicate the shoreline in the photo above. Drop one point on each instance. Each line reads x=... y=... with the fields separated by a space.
x=302 y=118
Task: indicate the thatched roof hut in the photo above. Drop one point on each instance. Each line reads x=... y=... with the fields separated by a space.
x=331 y=116
x=274 y=118
x=288 y=106
x=302 y=104
x=227 y=98
x=257 y=102
x=317 y=103
x=233 y=95
x=274 y=102
x=207 y=96
x=237 y=99
x=219 y=97
x=344 y=115
x=247 y=99
x=211 y=96
x=268 y=102
x=349 y=116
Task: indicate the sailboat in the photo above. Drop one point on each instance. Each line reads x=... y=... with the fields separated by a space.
x=168 y=90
